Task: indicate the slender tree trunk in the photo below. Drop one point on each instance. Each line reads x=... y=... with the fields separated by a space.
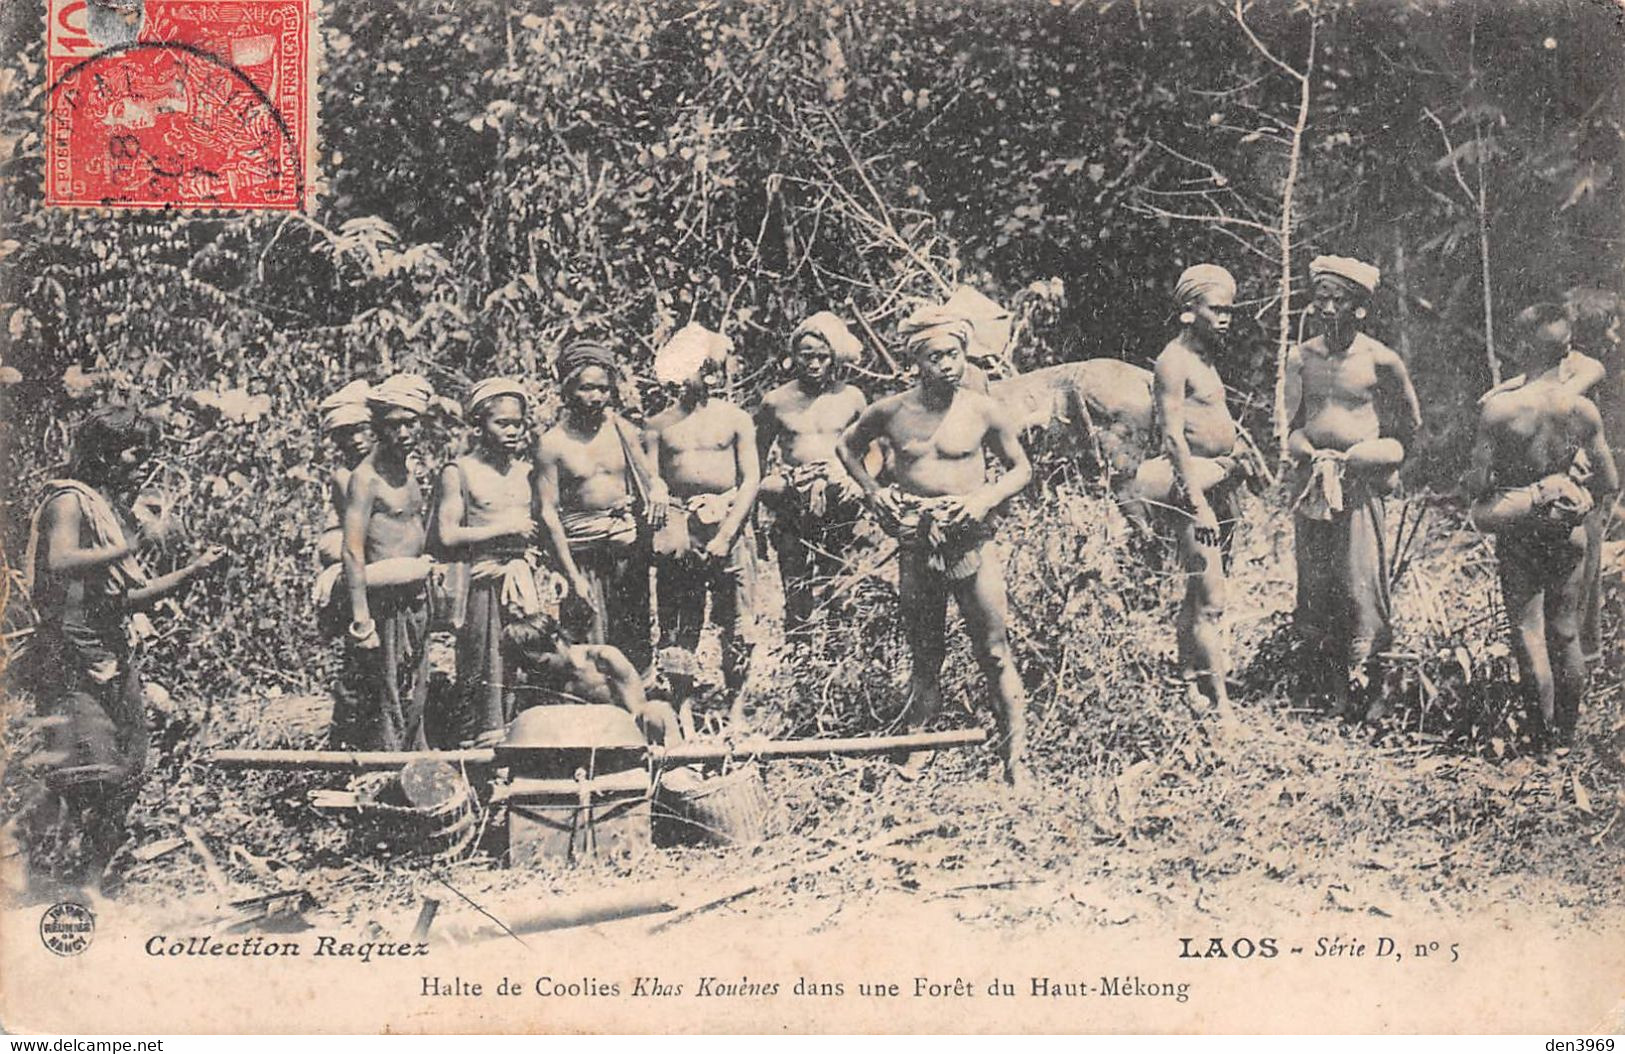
x=1484 y=263
x=1288 y=220
x=1402 y=280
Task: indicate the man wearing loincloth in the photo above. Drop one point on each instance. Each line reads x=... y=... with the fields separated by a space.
x=592 y=480
x=87 y=584
x=936 y=434
x=1581 y=374
x=815 y=503
x=1346 y=459
x=1540 y=465
x=705 y=449
x=1193 y=482
x=483 y=518
x=387 y=572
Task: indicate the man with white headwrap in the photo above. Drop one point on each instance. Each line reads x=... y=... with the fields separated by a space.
x=483 y=518
x=1192 y=484
x=384 y=528
x=1352 y=411
x=937 y=434
x=592 y=483
x=815 y=503
x=705 y=449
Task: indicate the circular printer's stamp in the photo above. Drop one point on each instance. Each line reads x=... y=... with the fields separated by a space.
x=67 y=928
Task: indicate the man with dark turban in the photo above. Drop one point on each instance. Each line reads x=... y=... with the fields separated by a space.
x=938 y=434
x=592 y=482
x=1347 y=458
x=815 y=503
x=387 y=576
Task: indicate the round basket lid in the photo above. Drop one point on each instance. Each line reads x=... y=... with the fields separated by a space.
x=577 y=726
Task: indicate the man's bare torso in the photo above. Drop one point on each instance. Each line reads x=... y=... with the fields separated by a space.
x=491 y=495
x=1210 y=431
x=937 y=451
x=1340 y=392
x=395 y=527
x=811 y=424
x=592 y=472
x=699 y=447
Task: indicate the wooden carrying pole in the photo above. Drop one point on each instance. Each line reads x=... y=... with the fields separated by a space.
x=680 y=754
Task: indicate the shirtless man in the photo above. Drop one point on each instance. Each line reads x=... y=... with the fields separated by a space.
x=1533 y=492
x=591 y=476
x=1347 y=460
x=587 y=673
x=815 y=503
x=1584 y=375
x=705 y=448
x=386 y=573
x=936 y=433
x=1199 y=440
x=484 y=519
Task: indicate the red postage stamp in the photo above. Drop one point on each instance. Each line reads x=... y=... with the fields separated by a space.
x=187 y=104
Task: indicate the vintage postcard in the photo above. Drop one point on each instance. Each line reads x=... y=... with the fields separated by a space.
x=812 y=516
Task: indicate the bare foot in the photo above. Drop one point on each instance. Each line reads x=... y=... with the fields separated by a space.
x=1019 y=777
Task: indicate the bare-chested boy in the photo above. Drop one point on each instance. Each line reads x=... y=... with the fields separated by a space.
x=386 y=572
x=484 y=519
x=591 y=475
x=705 y=447
x=347 y=424
x=1347 y=459
x=1534 y=492
x=815 y=503
x=936 y=434
x=1198 y=461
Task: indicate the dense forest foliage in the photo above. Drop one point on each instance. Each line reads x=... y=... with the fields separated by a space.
x=495 y=175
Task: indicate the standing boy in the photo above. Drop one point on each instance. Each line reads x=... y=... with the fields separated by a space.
x=937 y=434
x=484 y=518
x=1199 y=440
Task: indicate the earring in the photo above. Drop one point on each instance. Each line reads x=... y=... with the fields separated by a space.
x=1309 y=309
x=1359 y=312
x=1187 y=317
x=787 y=364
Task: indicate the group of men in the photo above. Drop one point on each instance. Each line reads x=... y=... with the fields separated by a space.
x=545 y=548
x=557 y=538
x=560 y=537
x=1541 y=480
